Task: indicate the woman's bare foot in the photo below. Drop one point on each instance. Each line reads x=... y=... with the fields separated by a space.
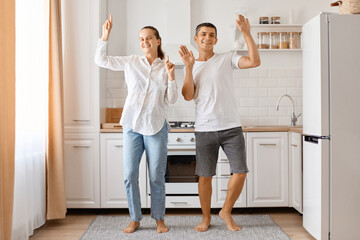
x=204 y=225
x=230 y=223
x=132 y=227
x=161 y=227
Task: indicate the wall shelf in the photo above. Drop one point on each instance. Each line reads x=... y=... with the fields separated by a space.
x=270 y=50
x=275 y=25
x=271 y=25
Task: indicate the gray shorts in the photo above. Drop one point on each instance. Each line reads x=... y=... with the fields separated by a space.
x=207 y=151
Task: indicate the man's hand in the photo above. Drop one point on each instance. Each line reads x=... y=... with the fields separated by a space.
x=170 y=69
x=242 y=24
x=186 y=56
x=106 y=29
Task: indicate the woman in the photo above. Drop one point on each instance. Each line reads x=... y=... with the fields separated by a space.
x=151 y=86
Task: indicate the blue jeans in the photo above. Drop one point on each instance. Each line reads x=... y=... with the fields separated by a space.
x=155 y=147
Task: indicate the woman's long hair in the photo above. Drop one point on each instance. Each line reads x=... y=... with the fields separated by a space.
x=161 y=54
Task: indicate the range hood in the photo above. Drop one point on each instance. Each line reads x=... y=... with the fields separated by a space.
x=178 y=30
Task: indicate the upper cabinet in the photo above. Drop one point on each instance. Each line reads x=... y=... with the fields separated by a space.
x=80 y=25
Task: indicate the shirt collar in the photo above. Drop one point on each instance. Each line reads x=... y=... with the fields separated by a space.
x=156 y=59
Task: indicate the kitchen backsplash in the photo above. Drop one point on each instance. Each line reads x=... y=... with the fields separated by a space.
x=256 y=90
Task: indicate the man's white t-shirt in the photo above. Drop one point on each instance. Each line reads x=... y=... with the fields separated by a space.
x=215 y=102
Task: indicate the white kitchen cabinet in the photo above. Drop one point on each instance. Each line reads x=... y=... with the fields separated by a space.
x=267 y=180
x=220 y=181
x=113 y=193
x=295 y=171
x=82 y=173
x=80 y=31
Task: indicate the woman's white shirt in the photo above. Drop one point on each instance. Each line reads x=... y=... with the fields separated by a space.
x=149 y=90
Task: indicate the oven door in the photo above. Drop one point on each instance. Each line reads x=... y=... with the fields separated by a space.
x=180 y=178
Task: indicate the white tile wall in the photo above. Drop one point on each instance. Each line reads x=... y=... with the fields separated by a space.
x=256 y=90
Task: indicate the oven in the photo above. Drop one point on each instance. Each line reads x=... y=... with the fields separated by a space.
x=180 y=178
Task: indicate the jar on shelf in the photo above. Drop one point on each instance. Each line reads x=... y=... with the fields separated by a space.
x=300 y=40
x=263 y=40
x=275 y=20
x=263 y=20
x=273 y=40
x=283 y=40
x=294 y=40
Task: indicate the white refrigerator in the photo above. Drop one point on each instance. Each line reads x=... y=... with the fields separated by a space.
x=331 y=126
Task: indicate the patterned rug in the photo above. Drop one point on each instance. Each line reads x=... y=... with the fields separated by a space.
x=254 y=227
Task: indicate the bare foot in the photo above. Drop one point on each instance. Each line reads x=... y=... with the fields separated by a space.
x=132 y=227
x=161 y=227
x=230 y=223
x=204 y=225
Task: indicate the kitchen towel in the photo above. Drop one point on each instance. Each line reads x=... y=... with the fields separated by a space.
x=254 y=227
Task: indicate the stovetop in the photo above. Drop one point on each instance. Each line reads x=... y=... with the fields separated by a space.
x=181 y=124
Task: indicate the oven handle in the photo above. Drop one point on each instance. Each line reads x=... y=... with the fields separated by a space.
x=179 y=202
x=181 y=150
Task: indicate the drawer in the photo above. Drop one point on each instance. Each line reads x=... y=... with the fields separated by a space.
x=222 y=188
x=183 y=202
x=222 y=156
x=223 y=169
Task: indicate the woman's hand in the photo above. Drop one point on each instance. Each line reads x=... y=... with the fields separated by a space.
x=186 y=56
x=170 y=69
x=106 y=29
x=243 y=24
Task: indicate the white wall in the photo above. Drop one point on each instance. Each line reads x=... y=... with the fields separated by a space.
x=256 y=90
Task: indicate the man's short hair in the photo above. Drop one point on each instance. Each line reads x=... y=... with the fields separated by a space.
x=206 y=24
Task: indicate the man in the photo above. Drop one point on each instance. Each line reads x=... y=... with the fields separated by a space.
x=208 y=80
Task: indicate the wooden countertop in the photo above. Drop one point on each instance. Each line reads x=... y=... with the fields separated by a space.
x=265 y=128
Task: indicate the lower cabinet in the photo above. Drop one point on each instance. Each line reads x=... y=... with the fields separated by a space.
x=274 y=178
x=220 y=182
x=82 y=178
x=113 y=193
x=295 y=170
x=267 y=181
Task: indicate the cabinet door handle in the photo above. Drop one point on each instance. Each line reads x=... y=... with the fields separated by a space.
x=179 y=202
x=267 y=144
x=224 y=160
x=225 y=175
x=223 y=190
x=117 y=145
x=294 y=145
x=81 y=146
x=79 y=120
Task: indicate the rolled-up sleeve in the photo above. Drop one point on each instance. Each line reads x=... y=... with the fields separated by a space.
x=171 y=92
x=102 y=60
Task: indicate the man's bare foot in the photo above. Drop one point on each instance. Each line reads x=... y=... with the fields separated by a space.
x=204 y=225
x=132 y=227
x=230 y=223
x=161 y=227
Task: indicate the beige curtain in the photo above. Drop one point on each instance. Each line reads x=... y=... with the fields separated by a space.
x=7 y=116
x=55 y=175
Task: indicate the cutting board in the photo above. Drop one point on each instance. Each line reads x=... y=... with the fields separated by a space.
x=113 y=115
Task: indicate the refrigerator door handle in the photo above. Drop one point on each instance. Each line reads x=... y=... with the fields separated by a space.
x=315 y=139
x=311 y=139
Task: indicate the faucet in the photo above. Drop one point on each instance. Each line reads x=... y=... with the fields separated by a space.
x=293 y=116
